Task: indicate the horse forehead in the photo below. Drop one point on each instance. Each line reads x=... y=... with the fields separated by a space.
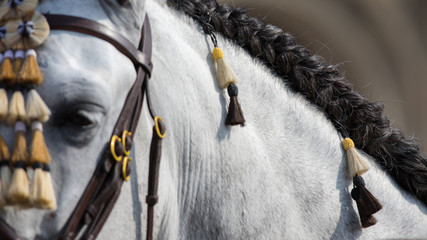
x=83 y=8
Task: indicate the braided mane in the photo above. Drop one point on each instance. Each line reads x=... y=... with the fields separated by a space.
x=323 y=85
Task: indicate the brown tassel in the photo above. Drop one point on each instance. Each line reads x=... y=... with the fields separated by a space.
x=19 y=59
x=19 y=190
x=235 y=113
x=17 y=64
x=367 y=204
x=16 y=108
x=4 y=171
x=30 y=71
x=4 y=103
x=6 y=71
x=42 y=194
x=36 y=108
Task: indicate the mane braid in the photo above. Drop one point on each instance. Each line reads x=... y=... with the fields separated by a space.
x=322 y=84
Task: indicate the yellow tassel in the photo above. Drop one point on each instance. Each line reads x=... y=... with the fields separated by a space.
x=4 y=103
x=4 y=171
x=16 y=108
x=224 y=74
x=39 y=151
x=30 y=71
x=17 y=64
x=19 y=59
x=36 y=108
x=6 y=71
x=42 y=194
x=19 y=190
x=356 y=165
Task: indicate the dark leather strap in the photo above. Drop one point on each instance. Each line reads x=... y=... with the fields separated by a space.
x=104 y=187
x=90 y=27
x=7 y=232
x=153 y=176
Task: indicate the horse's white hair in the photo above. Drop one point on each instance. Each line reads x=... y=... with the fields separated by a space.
x=282 y=175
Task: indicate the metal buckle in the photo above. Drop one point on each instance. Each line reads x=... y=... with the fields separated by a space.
x=113 y=141
x=156 y=123
x=126 y=160
x=124 y=136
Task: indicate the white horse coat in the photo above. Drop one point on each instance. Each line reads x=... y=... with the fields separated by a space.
x=281 y=176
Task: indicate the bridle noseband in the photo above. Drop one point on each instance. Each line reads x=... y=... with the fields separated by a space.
x=103 y=189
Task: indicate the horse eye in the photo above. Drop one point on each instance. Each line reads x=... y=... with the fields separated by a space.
x=82 y=118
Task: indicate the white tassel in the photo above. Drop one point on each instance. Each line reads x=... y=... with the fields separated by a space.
x=36 y=108
x=4 y=103
x=356 y=165
x=224 y=73
x=16 y=108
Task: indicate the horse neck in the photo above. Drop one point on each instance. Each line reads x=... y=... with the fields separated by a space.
x=284 y=170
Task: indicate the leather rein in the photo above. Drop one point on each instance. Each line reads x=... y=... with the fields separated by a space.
x=113 y=168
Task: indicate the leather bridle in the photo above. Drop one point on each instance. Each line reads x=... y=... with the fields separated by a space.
x=103 y=189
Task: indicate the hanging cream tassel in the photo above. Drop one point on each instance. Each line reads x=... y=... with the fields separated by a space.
x=42 y=194
x=6 y=71
x=4 y=171
x=356 y=165
x=367 y=204
x=16 y=108
x=224 y=74
x=227 y=79
x=19 y=190
x=37 y=110
x=4 y=104
x=30 y=72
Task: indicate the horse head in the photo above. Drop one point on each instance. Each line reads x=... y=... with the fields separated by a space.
x=86 y=81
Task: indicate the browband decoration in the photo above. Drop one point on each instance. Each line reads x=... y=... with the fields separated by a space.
x=23 y=29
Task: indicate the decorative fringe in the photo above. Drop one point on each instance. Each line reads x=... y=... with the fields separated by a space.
x=367 y=204
x=356 y=165
x=19 y=59
x=6 y=71
x=5 y=177
x=227 y=79
x=4 y=103
x=30 y=71
x=13 y=9
x=37 y=110
x=19 y=190
x=235 y=113
x=42 y=194
x=39 y=152
x=4 y=171
x=26 y=34
x=16 y=108
x=224 y=74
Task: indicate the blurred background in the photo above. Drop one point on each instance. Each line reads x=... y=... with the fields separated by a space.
x=381 y=47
